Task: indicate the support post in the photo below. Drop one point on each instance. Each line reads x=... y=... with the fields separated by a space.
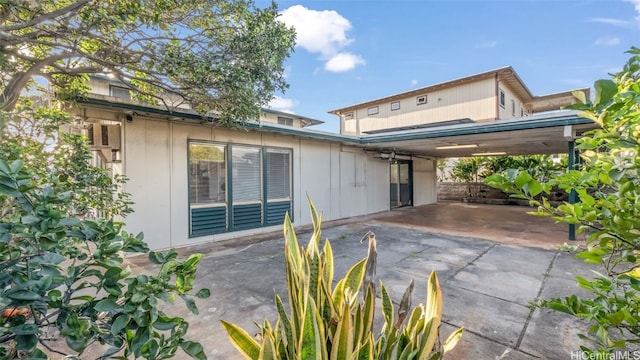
x=572 y=195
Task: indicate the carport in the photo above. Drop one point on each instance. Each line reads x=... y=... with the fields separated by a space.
x=547 y=133
x=552 y=132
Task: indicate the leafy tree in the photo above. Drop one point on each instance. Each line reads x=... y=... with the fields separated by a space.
x=224 y=58
x=608 y=212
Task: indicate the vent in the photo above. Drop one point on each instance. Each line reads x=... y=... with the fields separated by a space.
x=420 y=100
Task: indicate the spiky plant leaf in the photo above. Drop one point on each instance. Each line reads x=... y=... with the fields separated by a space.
x=452 y=340
x=342 y=346
x=248 y=347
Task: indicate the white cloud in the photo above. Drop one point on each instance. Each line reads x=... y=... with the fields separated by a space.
x=325 y=33
x=607 y=41
x=636 y=5
x=487 y=44
x=614 y=22
x=282 y=104
x=414 y=82
x=343 y=62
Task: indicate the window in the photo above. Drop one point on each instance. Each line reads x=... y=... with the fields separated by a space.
x=502 y=99
x=278 y=174
x=259 y=191
x=246 y=176
x=207 y=183
x=119 y=92
x=372 y=110
x=420 y=100
x=348 y=116
x=395 y=105
x=513 y=107
x=521 y=111
x=285 y=121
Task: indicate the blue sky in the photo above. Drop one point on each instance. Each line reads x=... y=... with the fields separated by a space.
x=351 y=51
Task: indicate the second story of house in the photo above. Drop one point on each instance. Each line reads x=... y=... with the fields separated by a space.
x=103 y=86
x=493 y=95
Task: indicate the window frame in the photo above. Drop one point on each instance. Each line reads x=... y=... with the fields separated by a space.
x=112 y=93
x=271 y=211
x=502 y=98
x=419 y=100
x=397 y=103
x=285 y=121
x=374 y=110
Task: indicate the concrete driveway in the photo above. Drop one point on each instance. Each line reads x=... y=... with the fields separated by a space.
x=488 y=277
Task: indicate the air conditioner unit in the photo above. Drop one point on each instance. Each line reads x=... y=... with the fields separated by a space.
x=105 y=139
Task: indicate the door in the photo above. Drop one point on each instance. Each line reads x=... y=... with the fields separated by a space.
x=401 y=183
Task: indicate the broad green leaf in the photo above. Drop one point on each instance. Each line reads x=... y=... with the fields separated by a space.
x=203 y=293
x=120 y=323
x=605 y=91
x=311 y=339
x=193 y=349
x=106 y=305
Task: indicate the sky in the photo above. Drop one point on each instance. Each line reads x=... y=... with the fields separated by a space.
x=351 y=51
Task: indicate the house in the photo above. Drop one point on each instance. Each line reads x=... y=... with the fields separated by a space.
x=490 y=96
x=194 y=181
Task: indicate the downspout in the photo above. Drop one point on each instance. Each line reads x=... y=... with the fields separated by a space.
x=572 y=195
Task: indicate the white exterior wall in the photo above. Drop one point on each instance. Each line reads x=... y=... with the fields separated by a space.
x=342 y=182
x=424 y=182
x=506 y=111
x=476 y=101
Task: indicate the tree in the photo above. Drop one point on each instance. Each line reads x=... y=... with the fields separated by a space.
x=608 y=212
x=223 y=58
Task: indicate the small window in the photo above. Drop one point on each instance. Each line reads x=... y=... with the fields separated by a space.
x=502 y=99
x=513 y=107
x=348 y=116
x=420 y=100
x=521 y=112
x=119 y=92
x=372 y=110
x=285 y=121
x=395 y=105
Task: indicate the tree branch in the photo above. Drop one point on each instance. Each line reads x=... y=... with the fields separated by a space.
x=67 y=10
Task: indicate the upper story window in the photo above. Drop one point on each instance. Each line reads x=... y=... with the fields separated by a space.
x=119 y=92
x=395 y=105
x=420 y=100
x=502 y=98
x=372 y=110
x=285 y=121
x=513 y=107
x=348 y=116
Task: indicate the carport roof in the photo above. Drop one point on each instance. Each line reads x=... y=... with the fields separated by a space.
x=544 y=133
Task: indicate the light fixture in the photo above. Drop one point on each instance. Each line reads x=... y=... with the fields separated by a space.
x=489 y=153
x=466 y=146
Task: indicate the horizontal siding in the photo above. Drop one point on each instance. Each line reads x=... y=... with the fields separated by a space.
x=476 y=101
x=207 y=221
x=276 y=212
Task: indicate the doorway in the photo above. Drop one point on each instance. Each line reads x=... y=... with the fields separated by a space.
x=401 y=174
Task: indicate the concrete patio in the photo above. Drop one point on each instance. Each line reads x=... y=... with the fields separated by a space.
x=505 y=259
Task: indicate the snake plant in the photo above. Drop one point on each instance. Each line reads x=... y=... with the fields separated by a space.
x=327 y=322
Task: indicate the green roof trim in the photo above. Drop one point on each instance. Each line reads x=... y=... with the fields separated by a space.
x=552 y=119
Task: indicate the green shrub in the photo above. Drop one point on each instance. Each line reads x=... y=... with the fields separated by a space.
x=608 y=212
x=326 y=322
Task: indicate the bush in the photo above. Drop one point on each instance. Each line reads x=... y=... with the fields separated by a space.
x=326 y=322
x=62 y=270
x=608 y=211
